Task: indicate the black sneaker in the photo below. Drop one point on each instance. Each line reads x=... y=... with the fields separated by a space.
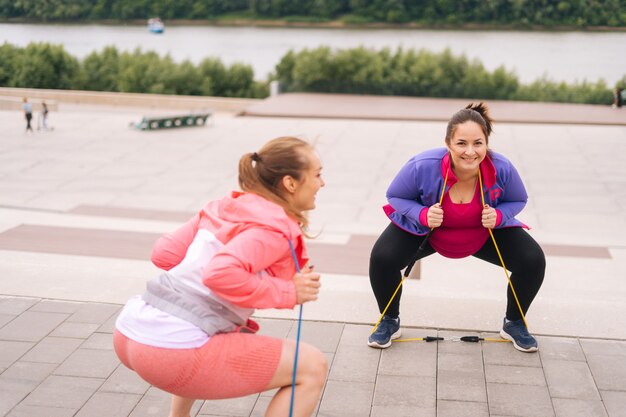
x=388 y=329
x=516 y=332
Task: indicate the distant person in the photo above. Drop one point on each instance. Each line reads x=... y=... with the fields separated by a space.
x=465 y=171
x=617 y=97
x=190 y=334
x=28 y=114
x=44 y=117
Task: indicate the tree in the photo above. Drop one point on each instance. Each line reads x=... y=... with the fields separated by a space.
x=212 y=74
x=186 y=80
x=43 y=65
x=311 y=67
x=142 y=72
x=239 y=81
x=328 y=8
x=100 y=71
x=9 y=58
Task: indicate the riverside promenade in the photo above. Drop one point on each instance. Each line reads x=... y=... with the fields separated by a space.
x=81 y=205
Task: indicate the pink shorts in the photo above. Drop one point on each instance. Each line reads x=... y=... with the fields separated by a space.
x=229 y=365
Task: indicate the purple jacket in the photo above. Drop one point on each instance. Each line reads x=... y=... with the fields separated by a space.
x=419 y=182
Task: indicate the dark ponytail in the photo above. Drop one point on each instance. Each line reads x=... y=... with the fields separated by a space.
x=475 y=112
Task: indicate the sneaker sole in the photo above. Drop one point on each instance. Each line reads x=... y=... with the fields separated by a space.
x=506 y=336
x=394 y=336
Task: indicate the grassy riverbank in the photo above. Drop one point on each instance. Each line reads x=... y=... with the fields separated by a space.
x=346 y=22
x=445 y=14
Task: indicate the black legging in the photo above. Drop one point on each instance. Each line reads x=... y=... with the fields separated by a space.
x=395 y=249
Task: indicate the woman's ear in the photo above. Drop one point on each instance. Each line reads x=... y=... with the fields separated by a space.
x=289 y=183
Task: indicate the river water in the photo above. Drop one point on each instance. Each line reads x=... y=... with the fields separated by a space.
x=561 y=56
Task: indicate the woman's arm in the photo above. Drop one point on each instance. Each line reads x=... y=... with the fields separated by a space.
x=403 y=193
x=237 y=272
x=514 y=196
x=171 y=248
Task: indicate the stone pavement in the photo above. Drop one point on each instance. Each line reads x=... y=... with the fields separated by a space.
x=57 y=360
x=81 y=205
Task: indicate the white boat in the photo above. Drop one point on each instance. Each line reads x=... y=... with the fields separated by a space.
x=155 y=25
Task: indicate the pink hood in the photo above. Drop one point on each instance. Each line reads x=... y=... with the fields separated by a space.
x=231 y=215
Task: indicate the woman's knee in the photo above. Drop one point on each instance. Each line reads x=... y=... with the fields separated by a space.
x=313 y=364
x=534 y=261
x=384 y=258
x=530 y=260
x=524 y=253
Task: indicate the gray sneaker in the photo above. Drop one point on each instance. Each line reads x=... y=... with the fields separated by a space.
x=387 y=330
x=516 y=332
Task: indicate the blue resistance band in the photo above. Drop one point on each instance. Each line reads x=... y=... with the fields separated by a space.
x=295 y=361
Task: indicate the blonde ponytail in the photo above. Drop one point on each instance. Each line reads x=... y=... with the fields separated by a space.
x=262 y=172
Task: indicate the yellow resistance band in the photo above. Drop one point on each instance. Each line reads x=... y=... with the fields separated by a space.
x=443 y=189
x=506 y=272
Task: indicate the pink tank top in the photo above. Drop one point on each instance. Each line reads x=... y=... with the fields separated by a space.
x=461 y=234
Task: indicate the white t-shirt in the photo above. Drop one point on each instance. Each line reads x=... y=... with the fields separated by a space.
x=145 y=324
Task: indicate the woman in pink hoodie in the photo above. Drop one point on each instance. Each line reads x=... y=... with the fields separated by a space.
x=190 y=333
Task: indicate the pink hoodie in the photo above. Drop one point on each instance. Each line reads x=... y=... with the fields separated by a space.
x=255 y=234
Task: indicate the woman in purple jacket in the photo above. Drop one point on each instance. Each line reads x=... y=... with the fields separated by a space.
x=436 y=201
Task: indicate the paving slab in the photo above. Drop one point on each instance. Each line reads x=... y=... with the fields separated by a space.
x=109 y=404
x=31 y=326
x=569 y=407
x=350 y=399
x=63 y=392
x=11 y=350
x=92 y=363
x=570 y=379
x=519 y=375
x=615 y=403
x=23 y=410
x=520 y=400
x=237 y=407
x=52 y=350
x=609 y=372
x=462 y=408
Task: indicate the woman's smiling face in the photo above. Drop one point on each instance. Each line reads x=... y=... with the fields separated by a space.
x=306 y=189
x=468 y=147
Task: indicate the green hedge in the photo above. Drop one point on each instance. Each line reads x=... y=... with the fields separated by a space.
x=352 y=71
x=421 y=73
x=38 y=65
x=41 y=65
